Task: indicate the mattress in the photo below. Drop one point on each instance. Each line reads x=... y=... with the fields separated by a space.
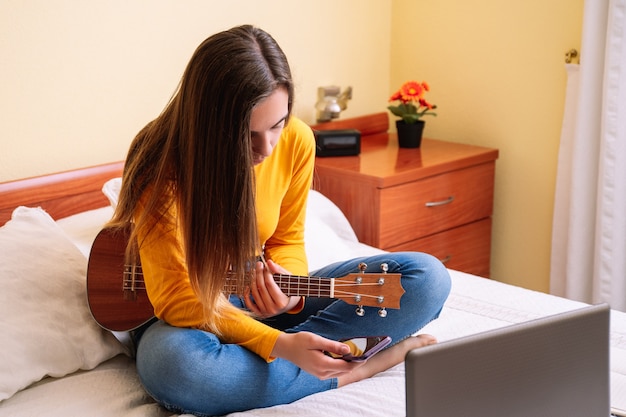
x=475 y=305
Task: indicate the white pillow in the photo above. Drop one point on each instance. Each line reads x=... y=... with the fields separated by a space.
x=45 y=323
x=82 y=228
x=328 y=235
x=324 y=210
x=111 y=190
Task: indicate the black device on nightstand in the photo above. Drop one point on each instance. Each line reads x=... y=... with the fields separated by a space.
x=344 y=142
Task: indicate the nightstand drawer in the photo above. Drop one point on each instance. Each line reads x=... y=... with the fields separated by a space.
x=465 y=248
x=435 y=204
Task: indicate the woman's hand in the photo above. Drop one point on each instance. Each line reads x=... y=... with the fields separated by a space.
x=306 y=350
x=264 y=297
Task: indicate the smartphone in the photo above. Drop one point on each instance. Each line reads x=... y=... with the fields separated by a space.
x=362 y=348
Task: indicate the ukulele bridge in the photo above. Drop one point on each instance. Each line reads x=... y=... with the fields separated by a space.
x=133 y=276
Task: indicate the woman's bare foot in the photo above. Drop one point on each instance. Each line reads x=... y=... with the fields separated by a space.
x=386 y=359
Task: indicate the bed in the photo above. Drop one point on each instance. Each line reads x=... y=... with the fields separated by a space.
x=56 y=361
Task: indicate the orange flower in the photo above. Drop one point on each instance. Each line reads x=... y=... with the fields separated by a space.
x=412 y=103
x=411 y=91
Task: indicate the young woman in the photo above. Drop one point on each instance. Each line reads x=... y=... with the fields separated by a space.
x=219 y=178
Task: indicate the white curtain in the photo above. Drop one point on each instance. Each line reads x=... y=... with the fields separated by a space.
x=589 y=229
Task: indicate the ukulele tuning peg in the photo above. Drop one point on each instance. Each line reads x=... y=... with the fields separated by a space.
x=384 y=267
x=382 y=312
x=360 y=311
x=362 y=266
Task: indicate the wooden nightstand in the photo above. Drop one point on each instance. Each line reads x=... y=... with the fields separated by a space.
x=436 y=199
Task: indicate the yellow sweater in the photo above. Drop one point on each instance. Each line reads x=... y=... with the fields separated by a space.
x=283 y=182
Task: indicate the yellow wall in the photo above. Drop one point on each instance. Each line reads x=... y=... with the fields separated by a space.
x=81 y=77
x=496 y=71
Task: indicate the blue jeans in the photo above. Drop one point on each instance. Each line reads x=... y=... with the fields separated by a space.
x=191 y=371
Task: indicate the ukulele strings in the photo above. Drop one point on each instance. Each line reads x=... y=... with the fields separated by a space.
x=133 y=280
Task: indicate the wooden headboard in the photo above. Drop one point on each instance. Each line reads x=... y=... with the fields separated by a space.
x=65 y=193
x=61 y=194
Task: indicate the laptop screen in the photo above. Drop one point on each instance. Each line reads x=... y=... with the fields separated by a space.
x=553 y=366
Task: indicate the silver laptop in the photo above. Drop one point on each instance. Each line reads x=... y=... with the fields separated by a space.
x=552 y=366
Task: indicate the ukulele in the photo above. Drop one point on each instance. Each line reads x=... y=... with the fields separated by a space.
x=118 y=301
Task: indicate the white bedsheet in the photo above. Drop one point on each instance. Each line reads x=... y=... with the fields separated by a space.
x=475 y=305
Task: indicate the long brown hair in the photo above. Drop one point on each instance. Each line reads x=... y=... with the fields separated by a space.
x=197 y=154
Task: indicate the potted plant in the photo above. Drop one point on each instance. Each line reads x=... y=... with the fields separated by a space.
x=411 y=108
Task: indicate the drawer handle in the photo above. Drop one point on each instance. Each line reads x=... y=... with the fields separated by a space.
x=446 y=259
x=440 y=203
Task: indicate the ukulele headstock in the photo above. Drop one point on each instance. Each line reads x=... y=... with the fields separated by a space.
x=362 y=288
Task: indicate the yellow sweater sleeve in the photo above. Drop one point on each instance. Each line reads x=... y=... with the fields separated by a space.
x=174 y=300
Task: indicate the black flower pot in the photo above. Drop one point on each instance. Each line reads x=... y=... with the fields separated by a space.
x=409 y=135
